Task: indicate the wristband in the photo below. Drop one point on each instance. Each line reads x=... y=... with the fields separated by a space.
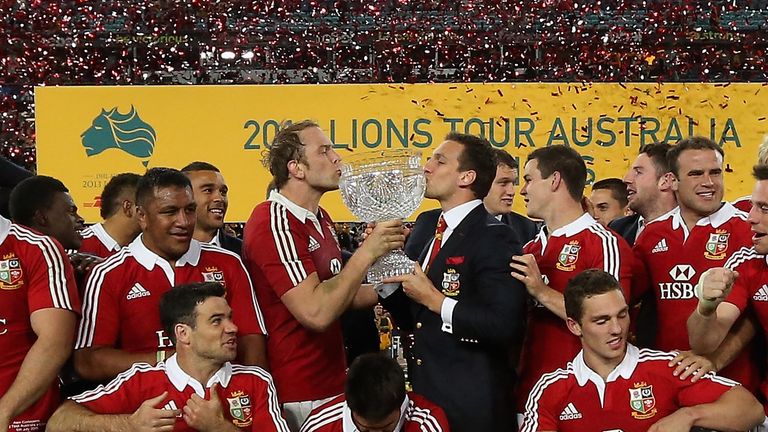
x=160 y=356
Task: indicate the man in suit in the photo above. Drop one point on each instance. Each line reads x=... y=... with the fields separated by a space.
x=649 y=191
x=465 y=307
x=210 y=191
x=501 y=196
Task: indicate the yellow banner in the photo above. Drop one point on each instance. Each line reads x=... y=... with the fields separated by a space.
x=85 y=135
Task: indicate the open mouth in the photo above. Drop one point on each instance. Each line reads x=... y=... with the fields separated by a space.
x=706 y=195
x=615 y=343
x=217 y=211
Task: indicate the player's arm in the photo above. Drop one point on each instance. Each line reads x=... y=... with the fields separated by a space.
x=55 y=330
x=365 y=298
x=541 y=407
x=735 y=410
x=713 y=318
x=316 y=305
x=525 y=269
x=73 y=417
x=102 y=363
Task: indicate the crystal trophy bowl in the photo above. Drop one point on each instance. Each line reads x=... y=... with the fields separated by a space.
x=381 y=185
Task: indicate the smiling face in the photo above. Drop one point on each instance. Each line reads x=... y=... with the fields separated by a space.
x=210 y=192
x=758 y=216
x=168 y=221
x=603 y=329
x=501 y=196
x=536 y=190
x=699 y=183
x=62 y=222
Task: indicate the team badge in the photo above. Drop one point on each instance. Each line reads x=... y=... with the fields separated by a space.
x=240 y=409
x=566 y=261
x=642 y=401
x=451 y=285
x=10 y=273
x=213 y=274
x=717 y=245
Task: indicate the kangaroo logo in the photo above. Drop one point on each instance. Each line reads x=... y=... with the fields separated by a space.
x=127 y=132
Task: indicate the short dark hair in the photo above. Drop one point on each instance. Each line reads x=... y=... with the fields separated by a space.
x=117 y=185
x=375 y=386
x=616 y=186
x=504 y=158
x=567 y=162
x=199 y=166
x=692 y=143
x=286 y=146
x=177 y=306
x=587 y=284
x=159 y=178
x=32 y=195
x=760 y=172
x=657 y=152
x=477 y=155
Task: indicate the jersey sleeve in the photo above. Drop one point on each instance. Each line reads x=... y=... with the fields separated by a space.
x=122 y=395
x=50 y=276
x=708 y=389
x=744 y=286
x=265 y=408
x=541 y=409
x=281 y=249
x=246 y=312
x=100 y=323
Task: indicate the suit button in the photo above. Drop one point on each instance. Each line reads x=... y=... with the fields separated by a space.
x=418 y=325
x=418 y=362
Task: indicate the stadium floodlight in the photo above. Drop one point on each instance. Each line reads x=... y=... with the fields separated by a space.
x=247 y=55
x=228 y=55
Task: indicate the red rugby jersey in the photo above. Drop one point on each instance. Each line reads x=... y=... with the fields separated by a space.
x=637 y=394
x=417 y=414
x=674 y=260
x=96 y=241
x=35 y=274
x=122 y=295
x=246 y=393
x=583 y=244
x=283 y=245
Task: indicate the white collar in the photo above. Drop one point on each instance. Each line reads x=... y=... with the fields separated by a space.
x=149 y=259
x=584 y=374
x=498 y=217
x=580 y=224
x=716 y=219
x=104 y=237
x=454 y=216
x=298 y=211
x=5 y=227
x=181 y=379
x=349 y=426
x=216 y=240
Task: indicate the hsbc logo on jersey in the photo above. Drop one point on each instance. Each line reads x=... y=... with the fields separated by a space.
x=335 y=266
x=681 y=288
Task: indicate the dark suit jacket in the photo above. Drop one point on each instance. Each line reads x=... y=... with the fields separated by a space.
x=626 y=227
x=525 y=228
x=466 y=372
x=230 y=243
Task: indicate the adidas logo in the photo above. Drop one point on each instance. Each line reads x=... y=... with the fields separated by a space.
x=170 y=406
x=761 y=294
x=660 y=246
x=570 y=413
x=137 y=291
x=313 y=244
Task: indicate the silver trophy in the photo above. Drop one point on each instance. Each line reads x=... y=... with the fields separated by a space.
x=381 y=185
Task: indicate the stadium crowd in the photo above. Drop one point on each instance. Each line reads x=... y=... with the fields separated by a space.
x=640 y=307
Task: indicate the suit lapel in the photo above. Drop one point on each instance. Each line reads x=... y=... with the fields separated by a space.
x=456 y=240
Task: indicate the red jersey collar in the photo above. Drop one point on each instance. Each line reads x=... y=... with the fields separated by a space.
x=181 y=379
x=624 y=370
x=104 y=237
x=148 y=259
x=725 y=213
x=349 y=426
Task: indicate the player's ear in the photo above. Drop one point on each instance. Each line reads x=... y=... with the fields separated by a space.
x=181 y=332
x=573 y=326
